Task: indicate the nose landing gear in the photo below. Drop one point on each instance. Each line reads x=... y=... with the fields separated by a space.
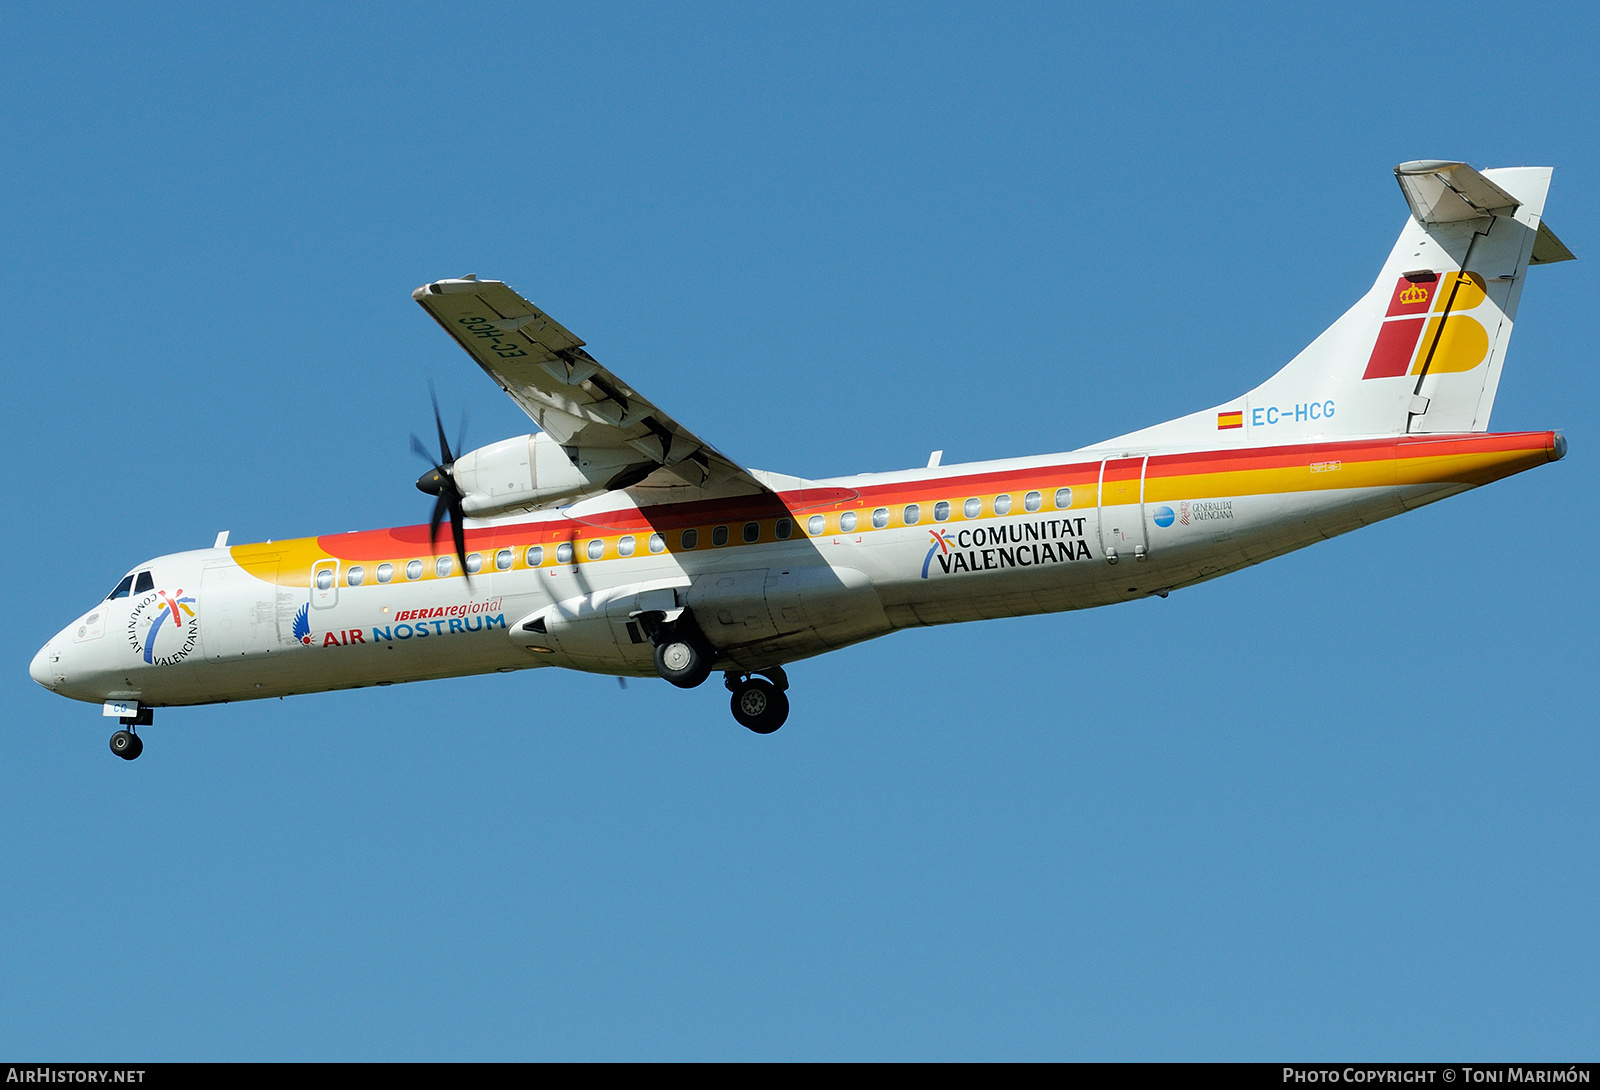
x=125 y=743
x=758 y=703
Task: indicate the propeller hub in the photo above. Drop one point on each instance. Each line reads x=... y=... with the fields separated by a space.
x=434 y=481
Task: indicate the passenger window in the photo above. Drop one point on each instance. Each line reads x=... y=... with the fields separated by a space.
x=880 y=518
x=972 y=508
x=355 y=575
x=414 y=570
x=657 y=543
x=814 y=526
x=385 y=572
x=912 y=514
x=534 y=556
x=474 y=563
x=941 y=511
x=324 y=578
x=626 y=546
x=443 y=565
x=1063 y=498
x=783 y=529
x=690 y=538
x=564 y=553
x=121 y=590
x=719 y=536
x=752 y=532
x=502 y=560
x=597 y=549
x=1032 y=501
x=1002 y=505
x=847 y=522
x=143 y=583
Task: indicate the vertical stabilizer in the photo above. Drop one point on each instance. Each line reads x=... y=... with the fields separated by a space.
x=1422 y=351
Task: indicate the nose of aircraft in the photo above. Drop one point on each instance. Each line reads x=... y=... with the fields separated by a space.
x=41 y=669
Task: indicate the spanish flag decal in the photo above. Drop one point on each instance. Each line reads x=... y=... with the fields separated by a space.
x=1232 y=419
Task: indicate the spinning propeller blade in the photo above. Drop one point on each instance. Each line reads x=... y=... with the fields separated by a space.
x=440 y=482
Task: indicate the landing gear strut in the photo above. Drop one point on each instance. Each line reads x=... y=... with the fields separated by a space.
x=125 y=743
x=758 y=703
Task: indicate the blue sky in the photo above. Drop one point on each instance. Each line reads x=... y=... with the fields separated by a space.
x=1342 y=804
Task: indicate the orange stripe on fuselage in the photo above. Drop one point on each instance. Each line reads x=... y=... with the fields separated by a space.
x=1249 y=471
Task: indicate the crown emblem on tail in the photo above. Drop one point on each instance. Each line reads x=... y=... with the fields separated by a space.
x=1416 y=293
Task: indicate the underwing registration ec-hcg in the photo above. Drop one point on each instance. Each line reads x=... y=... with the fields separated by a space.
x=617 y=541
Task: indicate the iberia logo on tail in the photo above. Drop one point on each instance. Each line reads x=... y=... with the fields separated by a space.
x=1451 y=341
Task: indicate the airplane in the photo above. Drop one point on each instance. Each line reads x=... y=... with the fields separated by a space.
x=614 y=540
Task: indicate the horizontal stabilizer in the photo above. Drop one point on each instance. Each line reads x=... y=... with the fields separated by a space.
x=1547 y=248
x=1443 y=192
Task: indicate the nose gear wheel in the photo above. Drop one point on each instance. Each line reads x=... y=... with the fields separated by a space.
x=126 y=744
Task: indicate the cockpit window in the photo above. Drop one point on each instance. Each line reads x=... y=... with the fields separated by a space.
x=122 y=588
x=144 y=583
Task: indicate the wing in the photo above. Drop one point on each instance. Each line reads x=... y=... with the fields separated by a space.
x=568 y=394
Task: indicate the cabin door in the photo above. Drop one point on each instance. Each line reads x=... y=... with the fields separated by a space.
x=1123 y=533
x=238 y=609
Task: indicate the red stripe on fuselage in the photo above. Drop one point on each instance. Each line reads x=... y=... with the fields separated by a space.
x=386 y=544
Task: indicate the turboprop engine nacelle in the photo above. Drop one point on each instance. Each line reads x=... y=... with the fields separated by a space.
x=534 y=471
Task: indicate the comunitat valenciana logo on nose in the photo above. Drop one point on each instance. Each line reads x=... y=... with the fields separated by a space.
x=163 y=627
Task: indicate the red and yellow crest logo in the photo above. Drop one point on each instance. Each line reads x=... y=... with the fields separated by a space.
x=1451 y=341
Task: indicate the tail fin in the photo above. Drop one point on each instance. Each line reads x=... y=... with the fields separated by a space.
x=1422 y=351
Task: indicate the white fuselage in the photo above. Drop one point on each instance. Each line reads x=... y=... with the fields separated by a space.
x=768 y=579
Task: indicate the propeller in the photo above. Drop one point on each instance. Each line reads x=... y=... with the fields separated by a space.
x=440 y=482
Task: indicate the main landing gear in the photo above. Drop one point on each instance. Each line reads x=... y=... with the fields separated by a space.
x=683 y=660
x=125 y=743
x=684 y=657
x=759 y=703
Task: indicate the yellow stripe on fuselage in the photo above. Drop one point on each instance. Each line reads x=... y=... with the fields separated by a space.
x=1467 y=460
